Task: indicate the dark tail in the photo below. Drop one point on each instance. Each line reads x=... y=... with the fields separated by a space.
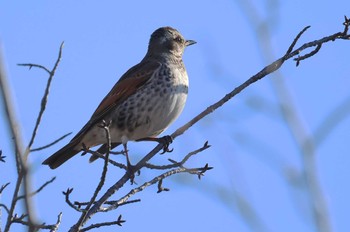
x=102 y=150
x=61 y=156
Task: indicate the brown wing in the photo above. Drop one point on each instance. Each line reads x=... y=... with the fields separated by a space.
x=125 y=87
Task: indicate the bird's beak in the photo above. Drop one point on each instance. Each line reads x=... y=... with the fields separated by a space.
x=190 y=42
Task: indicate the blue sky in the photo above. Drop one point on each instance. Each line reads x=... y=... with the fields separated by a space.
x=254 y=154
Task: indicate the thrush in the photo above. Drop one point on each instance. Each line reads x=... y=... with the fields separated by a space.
x=142 y=104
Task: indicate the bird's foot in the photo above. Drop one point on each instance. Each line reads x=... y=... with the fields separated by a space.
x=130 y=169
x=165 y=141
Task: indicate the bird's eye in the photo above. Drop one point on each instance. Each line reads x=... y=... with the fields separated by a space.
x=179 y=39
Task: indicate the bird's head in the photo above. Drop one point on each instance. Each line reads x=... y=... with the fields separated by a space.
x=168 y=40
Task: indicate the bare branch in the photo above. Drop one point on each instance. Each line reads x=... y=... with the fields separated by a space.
x=197 y=171
x=160 y=187
x=52 y=228
x=45 y=97
x=291 y=47
x=83 y=217
x=178 y=164
x=3 y=187
x=80 y=204
x=119 y=222
x=264 y=72
x=50 y=144
x=21 y=156
x=5 y=207
x=97 y=207
x=30 y=66
x=313 y=52
x=114 y=163
x=38 y=190
x=68 y=201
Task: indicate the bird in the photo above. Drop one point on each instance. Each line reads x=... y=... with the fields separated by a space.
x=141 y=105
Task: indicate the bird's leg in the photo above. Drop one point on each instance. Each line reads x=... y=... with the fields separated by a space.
x=130 y=168
x=127 y=155
x=165 y=140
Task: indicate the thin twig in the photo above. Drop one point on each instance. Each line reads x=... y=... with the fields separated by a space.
x=313 y=52
x=21 y=157
x=69 y=202
x=295 y=125
x=30 y=66
x=119 y=222
x=5 y=207
x=120 y=183
x=82 y=219
x=80 y=204
x=161 y=188
x=114 y=163
x=2 y=188
x=45 y=97
x=38 y=190
x=155 y=180
x=178 y=164
x=50 y=144
x=54 y=227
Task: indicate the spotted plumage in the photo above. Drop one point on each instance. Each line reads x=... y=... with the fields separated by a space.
x=142 y=104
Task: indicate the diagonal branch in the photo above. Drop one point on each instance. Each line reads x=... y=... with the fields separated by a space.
x=264 y=72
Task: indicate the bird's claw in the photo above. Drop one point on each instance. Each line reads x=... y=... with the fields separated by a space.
x=166 y=141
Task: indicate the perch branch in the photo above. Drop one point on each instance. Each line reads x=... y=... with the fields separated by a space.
x=264 y=72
